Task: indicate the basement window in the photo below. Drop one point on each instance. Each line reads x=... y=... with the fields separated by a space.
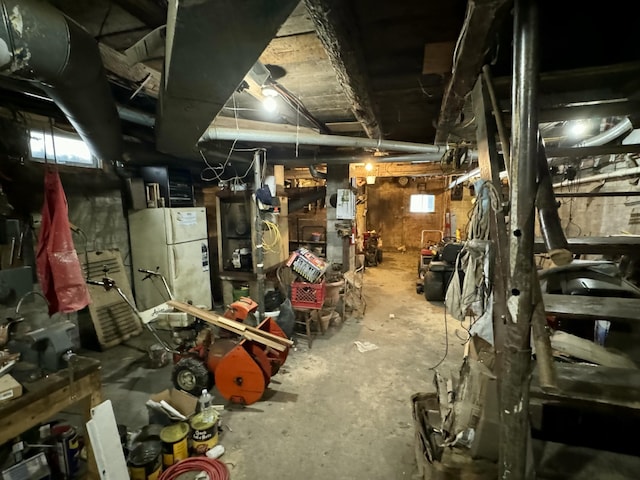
x=63 y=149
x=420 y=203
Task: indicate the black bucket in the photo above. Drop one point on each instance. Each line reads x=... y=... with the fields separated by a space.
x=145 y=460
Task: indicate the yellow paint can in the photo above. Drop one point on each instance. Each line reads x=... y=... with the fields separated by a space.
x=175 y=445
x=204 y=431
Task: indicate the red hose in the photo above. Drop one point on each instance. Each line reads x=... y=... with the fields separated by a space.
x=214 y=468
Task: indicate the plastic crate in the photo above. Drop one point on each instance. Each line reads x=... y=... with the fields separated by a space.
x=307 y=295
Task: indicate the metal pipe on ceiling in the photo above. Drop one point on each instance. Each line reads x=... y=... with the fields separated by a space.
x=607 y=136
x=39 y=43
x=603 y=138
x=294 y=138
x=626 y=172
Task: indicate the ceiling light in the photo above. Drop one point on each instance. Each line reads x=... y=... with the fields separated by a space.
x=368 y=167
x=269 y=104
x=269 y=92
x=578 y=129
x=269 y=101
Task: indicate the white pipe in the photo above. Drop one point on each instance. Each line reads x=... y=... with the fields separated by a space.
x=262 y=136
x=607 y=136
x=627 y=172
x=595 y=141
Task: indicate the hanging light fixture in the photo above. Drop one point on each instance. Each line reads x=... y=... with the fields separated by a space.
x=269 y=101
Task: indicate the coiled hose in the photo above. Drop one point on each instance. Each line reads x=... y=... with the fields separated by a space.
x=214 y=468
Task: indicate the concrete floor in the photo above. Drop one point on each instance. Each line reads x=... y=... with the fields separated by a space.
x=333 y=412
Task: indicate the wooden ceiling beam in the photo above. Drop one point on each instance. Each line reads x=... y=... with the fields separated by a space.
x=334 y=22
x=482 y=19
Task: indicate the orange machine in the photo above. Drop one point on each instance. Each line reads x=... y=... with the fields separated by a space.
x=241 y=360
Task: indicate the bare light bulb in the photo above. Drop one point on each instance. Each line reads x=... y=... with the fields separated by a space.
x=269 y=104
x=368 y=167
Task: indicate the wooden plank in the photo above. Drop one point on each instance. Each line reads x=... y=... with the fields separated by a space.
x=305 y=47
x=298 y=22
x=592 y=308
x=333 y=20
x=38 y=407
x=592 y=384
x=484 y=17
x=116 y=63
x=253 y=333
x=438 y=57
x=617 y=245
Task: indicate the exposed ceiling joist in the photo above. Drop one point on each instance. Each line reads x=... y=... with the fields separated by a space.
x=211 y=45
x=397 y=170
x=482 y=19
x=337 y=32
x=138 y=74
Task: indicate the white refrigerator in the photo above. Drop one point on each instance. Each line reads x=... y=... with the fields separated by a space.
x=175 y=240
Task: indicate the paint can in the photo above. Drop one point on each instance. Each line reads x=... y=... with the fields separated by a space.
x=145 y=460
x=204 y=431
x=67 y=449
x=174 y=443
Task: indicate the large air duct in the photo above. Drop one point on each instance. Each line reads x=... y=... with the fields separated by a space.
x=295 y=138
x=39 y=43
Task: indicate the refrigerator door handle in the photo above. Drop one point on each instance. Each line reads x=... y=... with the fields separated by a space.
x=175 y=262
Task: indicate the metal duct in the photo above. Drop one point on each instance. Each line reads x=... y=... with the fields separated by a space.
x=627 y=172
x=316 y=174
x=39 y=43
x=262 y=136
x=608 y=135
x=601 y=139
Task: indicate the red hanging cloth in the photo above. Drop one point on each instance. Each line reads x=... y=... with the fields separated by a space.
x=59 y=270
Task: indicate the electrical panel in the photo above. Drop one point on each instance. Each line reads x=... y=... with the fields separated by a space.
x=345 y=204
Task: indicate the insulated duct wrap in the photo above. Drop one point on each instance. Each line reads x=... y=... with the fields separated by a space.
x=39 y=43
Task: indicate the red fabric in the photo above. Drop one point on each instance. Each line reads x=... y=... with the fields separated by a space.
x=59 y=270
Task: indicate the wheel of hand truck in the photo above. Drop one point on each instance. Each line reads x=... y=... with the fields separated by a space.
x=379 y=256
x=433 y=287
x=191 y=375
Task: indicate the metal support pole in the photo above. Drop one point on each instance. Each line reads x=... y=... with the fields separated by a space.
x=516 y=369
x=259 y=251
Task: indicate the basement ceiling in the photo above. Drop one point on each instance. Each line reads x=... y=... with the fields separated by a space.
x=349 y=67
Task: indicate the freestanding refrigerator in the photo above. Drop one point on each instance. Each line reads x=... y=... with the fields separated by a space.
x=175 y=240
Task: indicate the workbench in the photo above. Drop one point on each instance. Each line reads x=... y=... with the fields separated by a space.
x=44 y=398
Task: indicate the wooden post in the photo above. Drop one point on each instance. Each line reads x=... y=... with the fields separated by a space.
x=516 y=366
x=490 y=167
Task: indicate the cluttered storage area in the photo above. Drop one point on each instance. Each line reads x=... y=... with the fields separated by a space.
x=320 y=239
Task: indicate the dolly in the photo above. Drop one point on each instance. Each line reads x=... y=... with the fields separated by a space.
x=240 y=359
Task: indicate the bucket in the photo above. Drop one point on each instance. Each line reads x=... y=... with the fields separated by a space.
x=145 y=461
x=240 y=292
x=174 y=443
x=204 y=431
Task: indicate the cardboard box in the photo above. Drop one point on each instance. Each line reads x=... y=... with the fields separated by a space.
x=9 y=388
x=183 y=402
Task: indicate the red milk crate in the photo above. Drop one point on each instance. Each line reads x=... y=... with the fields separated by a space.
x=307 y=295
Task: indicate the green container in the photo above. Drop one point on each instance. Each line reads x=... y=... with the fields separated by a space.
x=240 y=292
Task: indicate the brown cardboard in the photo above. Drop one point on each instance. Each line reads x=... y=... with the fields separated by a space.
x=184 y=402
x=9 y=388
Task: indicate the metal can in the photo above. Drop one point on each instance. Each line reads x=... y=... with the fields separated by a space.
x=204 y=431
x=145 y=462
x=174 y=443
x=67 y=449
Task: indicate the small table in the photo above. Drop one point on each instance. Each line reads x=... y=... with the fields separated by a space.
x=45 y=397
x=309 y=316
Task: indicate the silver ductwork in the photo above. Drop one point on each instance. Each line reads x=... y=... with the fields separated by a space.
x=39 y=43
x=262 y=136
